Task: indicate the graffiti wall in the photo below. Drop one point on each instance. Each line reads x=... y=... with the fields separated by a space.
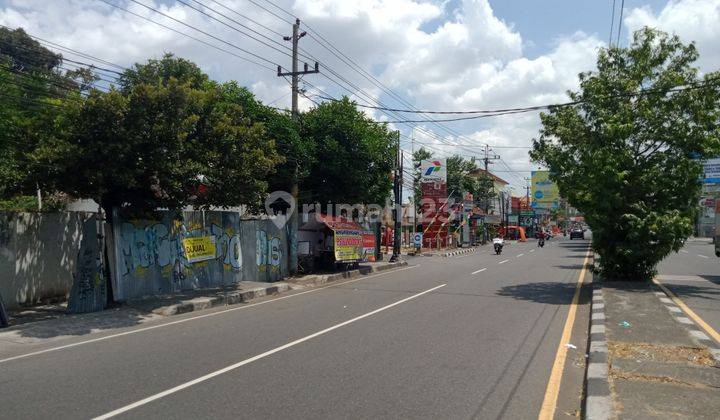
x=192 y=250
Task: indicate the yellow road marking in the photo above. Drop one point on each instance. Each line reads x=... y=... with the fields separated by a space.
x=704 y=325
x=547 y=412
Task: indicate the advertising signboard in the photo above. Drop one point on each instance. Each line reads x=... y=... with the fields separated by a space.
x=434 y=170
x=545 y=193
x=368 y=239
x=199 y=248
x=348 y=245
x=711 y=171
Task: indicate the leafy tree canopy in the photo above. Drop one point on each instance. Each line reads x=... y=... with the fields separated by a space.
x=626 y=155
x=152 y=143
x=354 y=156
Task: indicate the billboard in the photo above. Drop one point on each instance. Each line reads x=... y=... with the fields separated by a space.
x=711 y=171
x=348 y=244
x=545 y=193
x=434 y=170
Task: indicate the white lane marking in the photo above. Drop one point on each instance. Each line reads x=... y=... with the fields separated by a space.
x=703 y=256
x=683 y=251
x=479 y=271
x=180 y=321
x=532 y=250
x=519 y=255
x=257 y=357
x=503 y=261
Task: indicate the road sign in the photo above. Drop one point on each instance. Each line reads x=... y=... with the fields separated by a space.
x=417 y=239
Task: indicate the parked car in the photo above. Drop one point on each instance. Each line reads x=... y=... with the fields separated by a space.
x=577 y=233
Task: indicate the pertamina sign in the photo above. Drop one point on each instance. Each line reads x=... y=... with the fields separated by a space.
x=434 y=170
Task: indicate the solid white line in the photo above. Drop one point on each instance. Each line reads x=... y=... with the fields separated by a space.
x=255 y=358
x=479 y=271
x=180 y=321
x=503 y=261
x=519 y=255
x=703 y=256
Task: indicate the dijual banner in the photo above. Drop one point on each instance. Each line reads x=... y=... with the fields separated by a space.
x=348 y=245
x=199 y=248
x=545 y=193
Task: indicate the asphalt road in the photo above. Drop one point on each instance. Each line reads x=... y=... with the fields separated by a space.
x=693 y=274
x=474 y=336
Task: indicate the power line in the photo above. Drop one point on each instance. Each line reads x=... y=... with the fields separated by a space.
x=612 y=24
x=236 y=29
x=189 y=36
x=200 y=30
x=622 y=8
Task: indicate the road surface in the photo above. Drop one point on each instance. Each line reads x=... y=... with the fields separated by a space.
x=474 y=336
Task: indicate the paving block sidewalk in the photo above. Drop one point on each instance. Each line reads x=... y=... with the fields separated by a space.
x=656 y=368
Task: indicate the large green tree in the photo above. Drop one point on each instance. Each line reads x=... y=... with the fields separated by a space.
x=168 y=137
x=33 y=92
x=626 y=155
x=354 y=156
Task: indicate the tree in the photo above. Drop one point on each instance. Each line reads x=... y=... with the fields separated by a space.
x=298 y=151
x=626 y=155
x=33 y=92
x=155 y=141
x=354 y=156
x=418 y=156
x=459 y=178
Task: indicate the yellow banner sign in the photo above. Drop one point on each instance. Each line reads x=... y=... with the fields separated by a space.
x=348 y=245
x=199 y=248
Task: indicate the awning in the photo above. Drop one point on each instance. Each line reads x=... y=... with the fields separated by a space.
x=319 y=221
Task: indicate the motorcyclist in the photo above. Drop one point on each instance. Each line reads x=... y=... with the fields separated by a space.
x=498 y=243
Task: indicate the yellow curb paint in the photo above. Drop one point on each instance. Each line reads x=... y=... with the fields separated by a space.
x=547 y=411
x=704 y=325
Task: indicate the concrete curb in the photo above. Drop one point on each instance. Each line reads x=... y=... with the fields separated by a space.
x=319 y=280
x=459 y=252
x=695 y=332
x=234 y=297
x=241 y=296
x=598 y=402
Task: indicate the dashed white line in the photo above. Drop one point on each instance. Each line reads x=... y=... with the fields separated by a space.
x=519 y=255
x=257 y=357
x=683 y=251
x=479 y=271
x=503 y=261
x=532 y=250
x=703 y=256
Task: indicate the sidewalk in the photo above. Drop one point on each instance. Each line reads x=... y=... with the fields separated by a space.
x=653 y=362
x=50 y=321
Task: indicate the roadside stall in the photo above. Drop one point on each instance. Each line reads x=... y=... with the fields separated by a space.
x=331 y=241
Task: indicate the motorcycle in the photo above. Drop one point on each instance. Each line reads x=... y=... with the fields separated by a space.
x=498 y=245
x=541 y=242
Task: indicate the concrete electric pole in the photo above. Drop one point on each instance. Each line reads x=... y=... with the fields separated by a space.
x=397 y=212
x=294 y=74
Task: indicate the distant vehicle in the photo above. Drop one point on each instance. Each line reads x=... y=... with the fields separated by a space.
x=577 y=233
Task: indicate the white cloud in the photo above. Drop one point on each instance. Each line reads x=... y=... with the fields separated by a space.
x=692 y=20
x=471 y=60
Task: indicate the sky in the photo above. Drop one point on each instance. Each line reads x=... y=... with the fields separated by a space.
x=420 y=54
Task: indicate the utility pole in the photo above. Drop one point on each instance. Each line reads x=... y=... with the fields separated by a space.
x=294 y=74
x=397 y=212
x=487 y=160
